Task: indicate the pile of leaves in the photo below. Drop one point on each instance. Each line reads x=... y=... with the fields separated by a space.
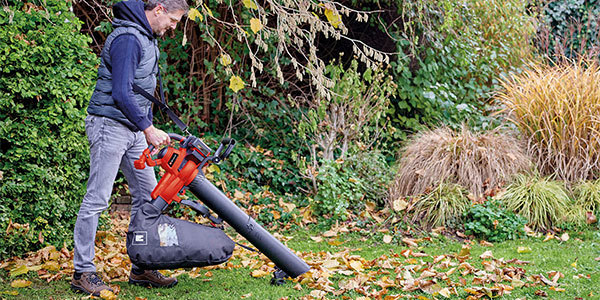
x=405 y=272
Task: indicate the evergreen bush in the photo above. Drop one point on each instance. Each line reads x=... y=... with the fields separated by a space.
x=47 y=73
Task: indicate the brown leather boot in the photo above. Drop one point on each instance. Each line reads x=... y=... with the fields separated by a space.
x=152 y=278
x=89 y=283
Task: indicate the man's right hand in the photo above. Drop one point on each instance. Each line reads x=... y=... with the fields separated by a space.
x=156 y=137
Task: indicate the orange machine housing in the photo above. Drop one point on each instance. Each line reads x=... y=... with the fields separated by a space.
x=181 y=167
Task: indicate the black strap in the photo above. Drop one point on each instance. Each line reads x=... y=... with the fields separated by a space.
x=161 y=105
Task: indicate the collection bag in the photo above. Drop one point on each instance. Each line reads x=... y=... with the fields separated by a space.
x=156 y=242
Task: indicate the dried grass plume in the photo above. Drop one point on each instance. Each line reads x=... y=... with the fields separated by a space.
x=477 y=161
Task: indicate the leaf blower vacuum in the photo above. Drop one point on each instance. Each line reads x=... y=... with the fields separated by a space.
x=156 y=241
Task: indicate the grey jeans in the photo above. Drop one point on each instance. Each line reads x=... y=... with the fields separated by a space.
x=112 y=146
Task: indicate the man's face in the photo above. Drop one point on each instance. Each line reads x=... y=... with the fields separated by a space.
x=166 y=20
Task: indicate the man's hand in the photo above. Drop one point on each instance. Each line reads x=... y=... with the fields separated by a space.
x=156 y=137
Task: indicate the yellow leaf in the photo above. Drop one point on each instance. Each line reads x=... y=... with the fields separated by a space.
x=333 y=17
x=225 y=59
x=387 y=239
x=557 y=289
x=523 y=249
x=249 y=4
x=213 y=168
x=255 y=25
x=20 y=270
x=51 y=265
x=574 y=264
x=465 y=250
x=335 y=243
x=107 y=295
x=259 y=273
x=20 y=283
x=236 y=83
x=12 y=293
x=194 y=14
x=208 y=11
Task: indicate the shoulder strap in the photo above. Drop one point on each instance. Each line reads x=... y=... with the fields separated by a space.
x=161 y=105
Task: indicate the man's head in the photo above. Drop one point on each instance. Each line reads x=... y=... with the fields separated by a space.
x=165 y=14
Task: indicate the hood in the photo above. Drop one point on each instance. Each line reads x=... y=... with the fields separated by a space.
x=132 y=11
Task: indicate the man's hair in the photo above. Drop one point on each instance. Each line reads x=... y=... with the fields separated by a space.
x=170 y=5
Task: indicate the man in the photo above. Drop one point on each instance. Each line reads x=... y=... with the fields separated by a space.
x=119 y=127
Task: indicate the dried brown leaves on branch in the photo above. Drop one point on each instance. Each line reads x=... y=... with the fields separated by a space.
x=294 y=26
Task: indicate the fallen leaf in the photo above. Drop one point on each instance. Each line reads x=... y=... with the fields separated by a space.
x=564 y=237
x=20 y=283
x=557 y=289
x=590 y=218
x=410 y=242
x=329 y=233
x=259 y=273
x=317 y=239
x=445 y=292
x=20 y=270
x=356 y=265
x=548 y=237
x=399 y=204
x=486 y=255
x=465 y=250
x=387 y=239
x=246 y=295
x=12 y=293
x=486 y=243
x=541 y=293
x=107 y=295
x=523 y=249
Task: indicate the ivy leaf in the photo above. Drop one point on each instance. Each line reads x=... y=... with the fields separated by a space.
x=255 y=25
x=236 y=83
x=249 y=4
x=194 y=14
x=333 y=17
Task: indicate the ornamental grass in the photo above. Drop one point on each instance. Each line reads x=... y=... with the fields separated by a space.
x=477 y=161
x=540 y=200
x=557 y=108
x=443 y=206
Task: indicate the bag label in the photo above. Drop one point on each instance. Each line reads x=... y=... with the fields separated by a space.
x=140 y=238
x=167 y=235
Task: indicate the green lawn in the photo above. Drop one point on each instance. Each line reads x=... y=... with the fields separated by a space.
x=574 y=258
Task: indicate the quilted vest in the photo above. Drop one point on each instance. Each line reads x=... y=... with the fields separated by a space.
x=102 y=102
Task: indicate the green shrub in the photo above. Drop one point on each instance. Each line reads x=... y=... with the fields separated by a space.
x=443 y=206
x=456 y=51
x=542 y=201
x=339 y=187
x=491 y=221
x=47 y=74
